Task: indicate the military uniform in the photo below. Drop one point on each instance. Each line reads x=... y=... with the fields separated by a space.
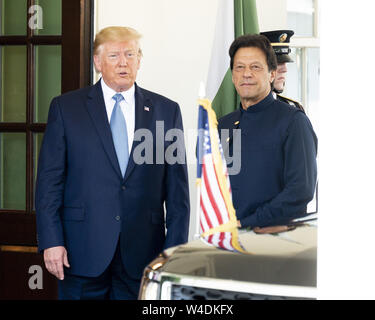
x=280 y=43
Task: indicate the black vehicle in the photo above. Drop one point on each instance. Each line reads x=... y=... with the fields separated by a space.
x=278 y=266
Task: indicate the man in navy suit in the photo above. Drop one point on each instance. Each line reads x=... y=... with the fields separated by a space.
x=99 y=201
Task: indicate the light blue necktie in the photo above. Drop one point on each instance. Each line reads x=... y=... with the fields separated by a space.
x=120 y=133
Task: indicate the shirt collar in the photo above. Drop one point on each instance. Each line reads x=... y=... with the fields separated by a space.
x=108 y=92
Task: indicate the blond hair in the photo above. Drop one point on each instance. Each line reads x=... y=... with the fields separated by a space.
x=110 y=34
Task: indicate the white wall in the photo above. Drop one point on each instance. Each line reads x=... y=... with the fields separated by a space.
x=177 y=41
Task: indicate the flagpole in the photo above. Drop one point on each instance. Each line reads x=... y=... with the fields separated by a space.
x=202 y=95
x=197 y=227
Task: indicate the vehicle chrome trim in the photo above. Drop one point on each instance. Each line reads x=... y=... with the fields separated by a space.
x=168 y=279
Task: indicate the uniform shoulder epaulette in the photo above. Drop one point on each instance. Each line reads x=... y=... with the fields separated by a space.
x=298 y=105
x=288 y=99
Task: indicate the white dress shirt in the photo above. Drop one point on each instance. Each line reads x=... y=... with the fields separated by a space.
x=127 y=107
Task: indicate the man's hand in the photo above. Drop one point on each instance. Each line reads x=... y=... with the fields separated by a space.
x=54 y=259
x=274 y=229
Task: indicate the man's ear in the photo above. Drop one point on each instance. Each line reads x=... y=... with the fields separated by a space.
x=272 y=75
x=97 y=63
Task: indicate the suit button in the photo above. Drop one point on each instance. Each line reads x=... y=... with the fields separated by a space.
x=118 y=218
x=123 y=187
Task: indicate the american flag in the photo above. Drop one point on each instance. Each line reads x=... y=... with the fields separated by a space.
x=217 y=217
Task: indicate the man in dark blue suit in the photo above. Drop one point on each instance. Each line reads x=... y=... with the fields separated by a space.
x=278 y=171
x=100 y=193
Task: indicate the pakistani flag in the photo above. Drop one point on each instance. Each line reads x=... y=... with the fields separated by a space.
x=234 y=18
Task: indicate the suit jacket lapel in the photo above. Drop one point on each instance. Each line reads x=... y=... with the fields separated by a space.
x=96 y=109
x=143 y=120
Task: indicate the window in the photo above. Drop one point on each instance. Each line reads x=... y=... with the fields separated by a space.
x=30 y=63
x=303 y=80
x=40 y=58
x=302 y=17
x=303 y=75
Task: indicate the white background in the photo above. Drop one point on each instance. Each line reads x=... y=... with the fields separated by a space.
x=346 y=261
x=178 y=35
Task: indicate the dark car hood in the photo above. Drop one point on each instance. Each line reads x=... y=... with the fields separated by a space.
x=287 y=258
